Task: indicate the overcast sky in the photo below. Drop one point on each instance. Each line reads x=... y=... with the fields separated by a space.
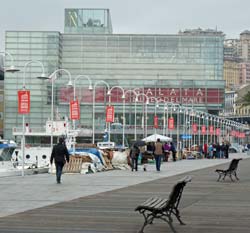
x=130 y=16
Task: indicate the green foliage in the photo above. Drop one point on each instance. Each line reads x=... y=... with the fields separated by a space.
x=245 y=100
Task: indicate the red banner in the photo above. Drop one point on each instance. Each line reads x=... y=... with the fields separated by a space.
x=203 y=129
x=171 y=123
x=110 y=114
x=24 y=102
x=194 y=128
x=74 y=110
x=242 y=135
x=211 y=129
x=156 y=122
x=232 y=133
x=218 y=131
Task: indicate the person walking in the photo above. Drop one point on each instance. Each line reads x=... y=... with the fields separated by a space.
x=226 y=151
x=134 y=155
x=166 y=151
x=205 y=150
x=222 y=150
x=211 y=151
x=173 y=150
x=60 y=155
x=143 y=161
x=158 y=152
x=218 y=149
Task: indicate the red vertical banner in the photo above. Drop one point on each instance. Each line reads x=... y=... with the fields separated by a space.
x=194 y=128
x=218 y=131
x=156 y=122
x=203 y=129
x=211 y=129
x=74 y=110
x=232 y=133
x=110 y=114
x=171 y=123
x=24 y=102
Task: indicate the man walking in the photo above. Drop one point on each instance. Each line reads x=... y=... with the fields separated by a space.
x=173 y=149
x=60 y=154
x=134 y=155
x=158 y=152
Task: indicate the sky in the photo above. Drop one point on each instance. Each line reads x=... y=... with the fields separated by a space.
x=130 y=16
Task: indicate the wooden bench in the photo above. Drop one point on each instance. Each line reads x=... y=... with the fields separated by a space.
x=231 y=171
x=156 y=207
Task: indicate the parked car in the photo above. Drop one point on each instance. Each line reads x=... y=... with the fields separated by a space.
x=234 y=149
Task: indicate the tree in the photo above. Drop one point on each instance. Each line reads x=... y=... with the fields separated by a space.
x=245 y=100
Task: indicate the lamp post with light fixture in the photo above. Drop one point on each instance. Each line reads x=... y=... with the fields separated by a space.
x=74 y=96
x=12 y=68
x=123 y=111
x=146 y=112
x=53 y=78
x=24 y=103
x=136 y=100
x=93 y=117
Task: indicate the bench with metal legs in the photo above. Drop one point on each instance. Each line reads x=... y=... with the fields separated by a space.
x=164 y=209
x=231 y=171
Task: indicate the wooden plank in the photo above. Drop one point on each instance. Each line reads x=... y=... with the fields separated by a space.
x=206 y=206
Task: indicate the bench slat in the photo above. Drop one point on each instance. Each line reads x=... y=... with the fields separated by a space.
x=153 y=203
x=150 y=201
x=161 y=204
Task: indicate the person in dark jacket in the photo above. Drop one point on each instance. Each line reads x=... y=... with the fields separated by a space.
x=60 y=155
x=173 y=149
x=134 y=155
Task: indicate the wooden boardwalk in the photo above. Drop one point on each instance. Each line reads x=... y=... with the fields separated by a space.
x=206 y=206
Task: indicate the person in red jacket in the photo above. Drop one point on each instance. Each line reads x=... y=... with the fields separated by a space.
x=205 y=150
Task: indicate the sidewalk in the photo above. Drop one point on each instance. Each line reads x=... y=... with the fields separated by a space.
x=207 y=206
x=20 y=194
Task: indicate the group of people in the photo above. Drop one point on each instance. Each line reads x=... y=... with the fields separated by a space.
x=218 y=150
x=158 y=149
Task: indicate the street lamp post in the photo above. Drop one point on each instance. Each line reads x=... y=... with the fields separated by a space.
x=207 y=125
x=24 y=88
x=52 y=98
x=215 y=120
x=192 y=120
x=136 y=100
x=189 y=129
x=199 y=128
x=155 y=112
x=147 y=102
x=93 y=120
x=74 y=121
x=166 y=120
x=12 y=68
x=123 y=111
x=177 y=108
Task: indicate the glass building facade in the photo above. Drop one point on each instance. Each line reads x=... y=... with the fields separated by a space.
x=186 y=69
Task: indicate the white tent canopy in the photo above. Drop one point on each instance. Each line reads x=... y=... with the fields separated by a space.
x=154 y=137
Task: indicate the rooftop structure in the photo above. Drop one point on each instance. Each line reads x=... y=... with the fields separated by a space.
x=87 y=21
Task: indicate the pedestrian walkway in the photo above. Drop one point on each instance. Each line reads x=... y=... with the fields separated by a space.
x=105 y=202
